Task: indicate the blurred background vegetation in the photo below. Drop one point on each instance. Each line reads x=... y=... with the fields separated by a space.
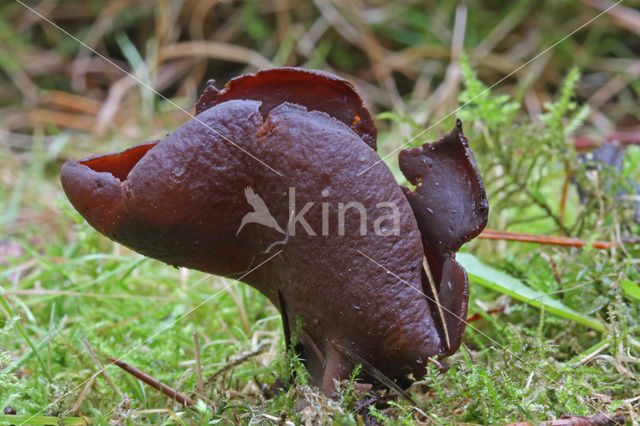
x=562 y=70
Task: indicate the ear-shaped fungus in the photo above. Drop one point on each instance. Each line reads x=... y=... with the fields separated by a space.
x=450 y=205
x=264 y=185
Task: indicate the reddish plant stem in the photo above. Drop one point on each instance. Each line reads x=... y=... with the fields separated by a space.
x=492 y=234
x=154 y=383
x=585 y=143
x=477 y=316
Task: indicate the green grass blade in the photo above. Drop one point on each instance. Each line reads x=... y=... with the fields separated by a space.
x=629 y=288
x=41 y=420
x=27 y=356
x=503 y=283
x=6 y=305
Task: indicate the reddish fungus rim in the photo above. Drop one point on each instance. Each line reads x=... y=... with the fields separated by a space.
x=118 y=164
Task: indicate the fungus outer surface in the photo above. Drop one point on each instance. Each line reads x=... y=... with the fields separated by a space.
x=183 y=200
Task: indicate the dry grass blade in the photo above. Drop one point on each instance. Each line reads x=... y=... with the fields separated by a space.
x=162 y=410
x=72 y=102
x=216 y=50
x=436 y=299
x=133 y=318
x=199 y=383
x=46 y=292
x=154 y=383
x=600 y=419
x=62 y=119
x=242 y=312
x=110 y=107
x=102 y=370
x=626 y=17
x=84 y=393
x=373 y=372
x=278 y=420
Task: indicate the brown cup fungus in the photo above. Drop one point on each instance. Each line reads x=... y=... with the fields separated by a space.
x=271 y=169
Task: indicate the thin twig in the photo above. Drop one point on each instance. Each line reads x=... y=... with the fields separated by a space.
x=492 y=234
x=154 y=383
x=231 y=365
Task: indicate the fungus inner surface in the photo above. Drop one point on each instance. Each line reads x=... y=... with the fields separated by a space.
x=120 y=163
